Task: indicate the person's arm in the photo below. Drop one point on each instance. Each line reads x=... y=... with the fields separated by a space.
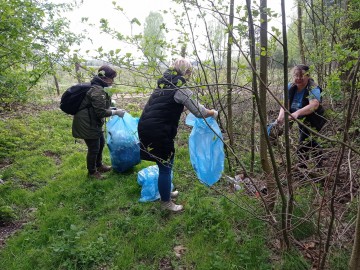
x=98 y=101
x=280 y=118
x=314 y=103
x=183 y=96
x=308 y=109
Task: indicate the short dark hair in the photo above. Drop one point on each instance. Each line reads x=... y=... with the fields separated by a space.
x=107 y=71
x=302 y=67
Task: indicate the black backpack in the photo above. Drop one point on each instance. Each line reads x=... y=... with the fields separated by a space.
x=72 y=98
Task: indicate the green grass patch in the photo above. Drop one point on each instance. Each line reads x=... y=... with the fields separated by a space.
x=71 y=222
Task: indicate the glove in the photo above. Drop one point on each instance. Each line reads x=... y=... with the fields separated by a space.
x=119 y=112
x=215 y=115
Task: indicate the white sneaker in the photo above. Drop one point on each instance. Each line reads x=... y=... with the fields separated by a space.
x=174 y=194
x=171 y=206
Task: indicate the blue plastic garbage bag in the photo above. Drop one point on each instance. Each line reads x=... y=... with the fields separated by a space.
x=206 y=149
x=148 y=180
x=270 y=126
x=123 y=142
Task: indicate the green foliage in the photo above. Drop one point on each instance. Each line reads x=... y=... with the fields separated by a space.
x=33 y=36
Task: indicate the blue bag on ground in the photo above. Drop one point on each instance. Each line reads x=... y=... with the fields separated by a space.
x=206 y=149
x=123 y=142
x=148 y=180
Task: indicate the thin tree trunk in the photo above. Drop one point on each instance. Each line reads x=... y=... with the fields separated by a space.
x=300 y=34
x=228 y=76
x=270 y=183
x=77 y=68
x=55 y=79
x=319 y=66
x=254 y=81
x=355 y=255
x=56 y=84
x=286 y=209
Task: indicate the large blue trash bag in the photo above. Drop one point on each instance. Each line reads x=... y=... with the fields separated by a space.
x=148 y=180
x=123 y=142
x=206 y=149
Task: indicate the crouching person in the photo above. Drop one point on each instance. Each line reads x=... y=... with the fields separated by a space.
x=305 y=103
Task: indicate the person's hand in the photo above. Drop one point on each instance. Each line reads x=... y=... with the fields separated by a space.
x=294 y=115
x=215 y=114
x=119 y=112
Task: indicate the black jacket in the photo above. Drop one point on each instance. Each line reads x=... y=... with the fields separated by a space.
x=159 y=121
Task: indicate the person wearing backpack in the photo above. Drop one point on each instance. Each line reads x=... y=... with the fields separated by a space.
x=305 y=103
x=159 y=121
x=89 y=120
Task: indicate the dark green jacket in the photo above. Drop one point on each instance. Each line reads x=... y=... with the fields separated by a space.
x=88 y=122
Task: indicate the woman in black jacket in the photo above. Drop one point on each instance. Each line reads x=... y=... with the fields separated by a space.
x=159 y=121
x=88 y=122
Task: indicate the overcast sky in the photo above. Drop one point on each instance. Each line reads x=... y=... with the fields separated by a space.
x=140 y=9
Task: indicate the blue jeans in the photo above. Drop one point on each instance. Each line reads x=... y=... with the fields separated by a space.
x=164 y=180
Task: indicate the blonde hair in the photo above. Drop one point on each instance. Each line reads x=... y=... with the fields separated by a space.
x=182 y=66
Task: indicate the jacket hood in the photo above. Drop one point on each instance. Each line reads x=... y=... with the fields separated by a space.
x=171 y=79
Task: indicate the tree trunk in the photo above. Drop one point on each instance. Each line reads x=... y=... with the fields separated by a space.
x=355 y=256
x=56 y=84
x=77 y=68
x=228 y=76
x=300 y=35
x=254 y=80
x=55 y=79
x=270 y=183
x=315 y=22
x=286 y=209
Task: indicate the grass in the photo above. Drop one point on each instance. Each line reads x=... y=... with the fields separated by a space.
x=70 y=222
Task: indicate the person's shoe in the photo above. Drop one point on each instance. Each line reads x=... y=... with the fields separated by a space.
x=96 y=175
x=103 y=168
x=171 y=206
x=174 y=194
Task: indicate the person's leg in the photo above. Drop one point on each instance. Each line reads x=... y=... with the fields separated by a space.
x=308 y=146
x=92 y=154
x=316 y=152
x=99 y=165
x=101 y=148
x=164 y=180
x=164 y=186
x=304 y=145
